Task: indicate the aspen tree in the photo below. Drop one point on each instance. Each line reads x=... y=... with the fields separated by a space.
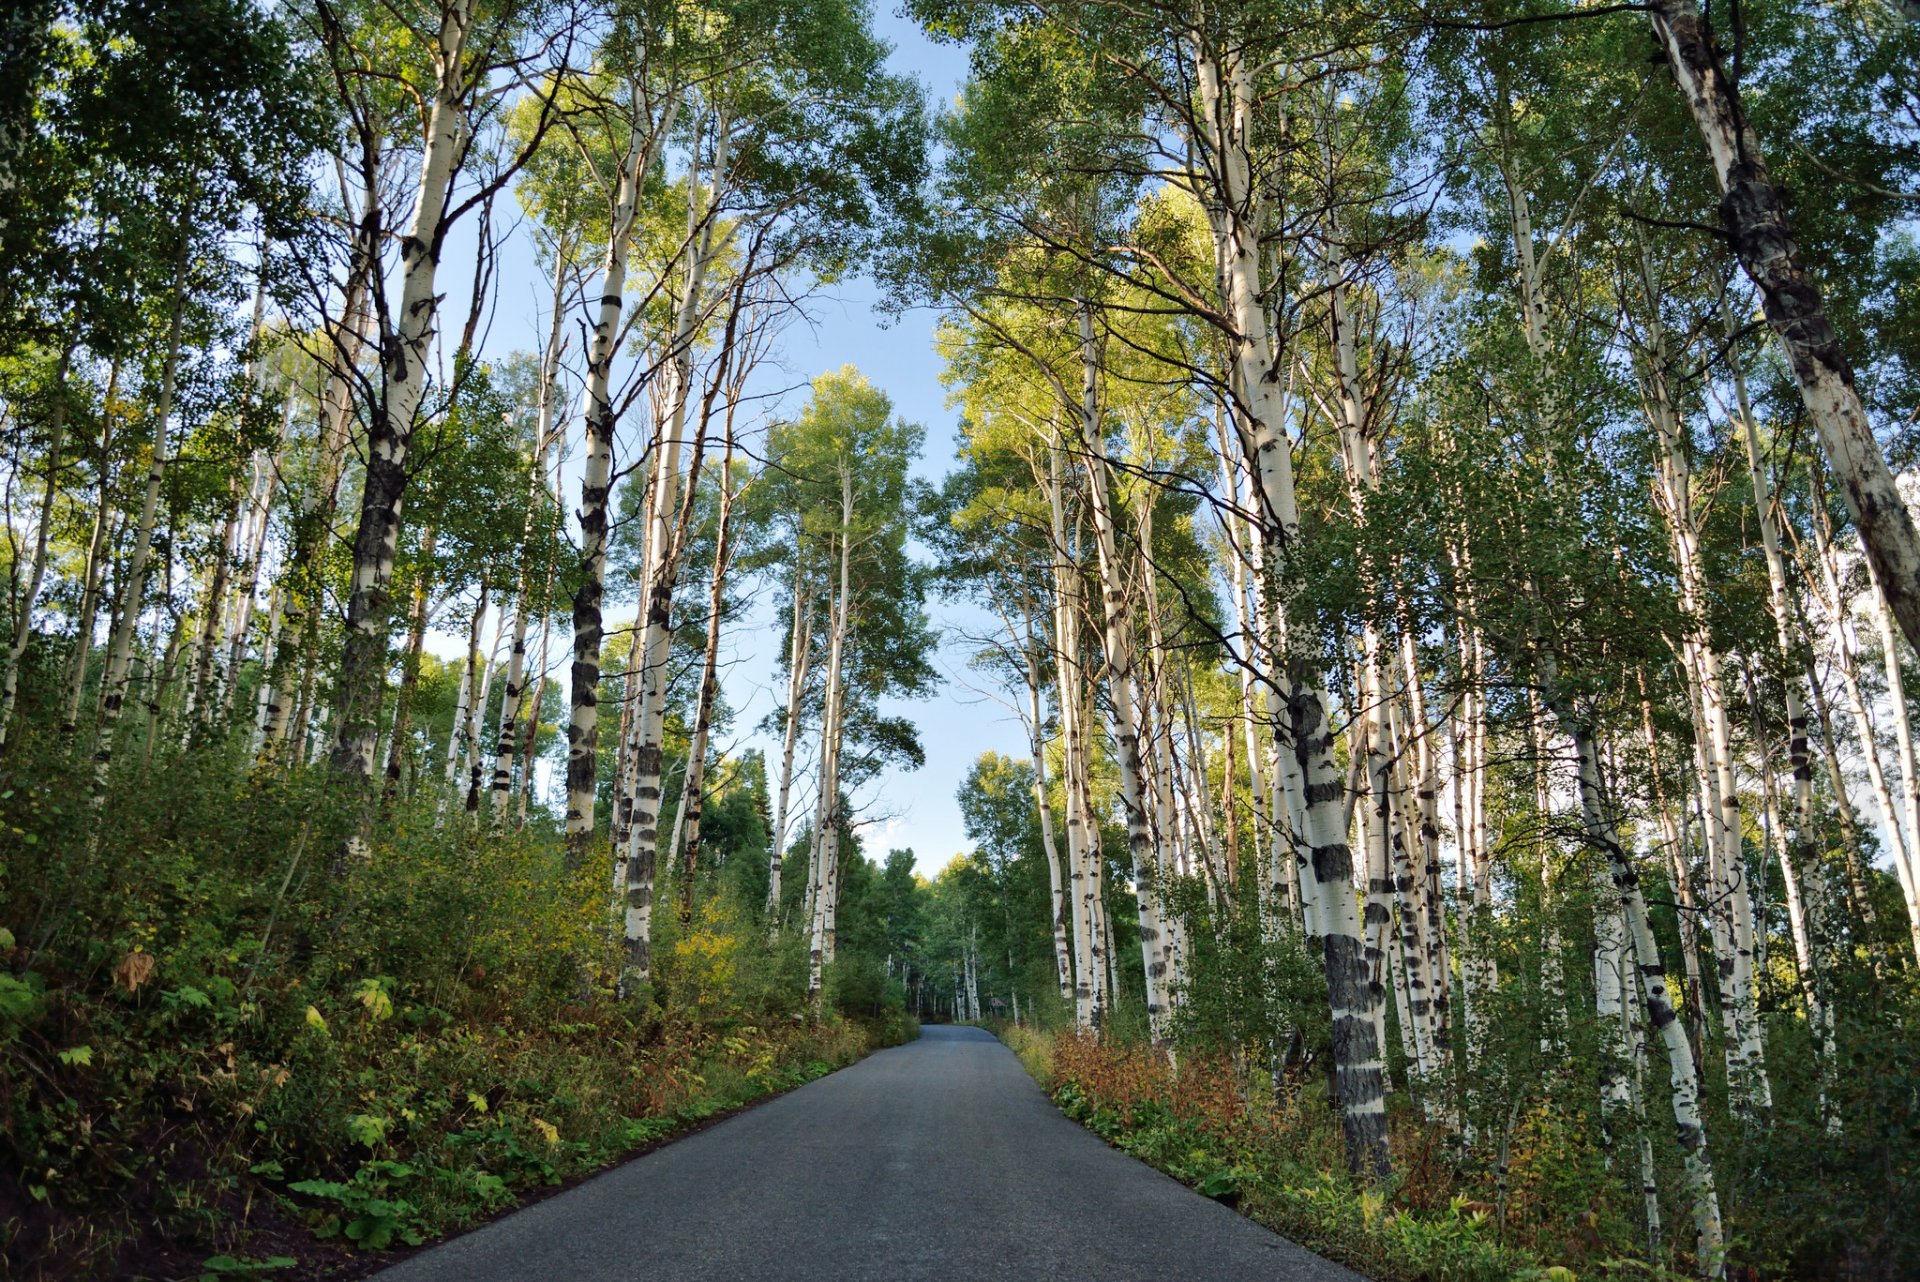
x=404 y=373
x=645 y=126
x=29 y=594
x=1119 y=645
x=1601 y=833
x=1754 y=213
x=544 y=438
x=116 y=677
x=799 y=653
x=687 y=818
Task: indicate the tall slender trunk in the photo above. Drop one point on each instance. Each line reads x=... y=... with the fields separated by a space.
x=1720 y=798
x=203 y=694
x=1755 y=217
x=1906 y=858
x=687 y=822
x=667 y=524
x=1674 y=840
x=1416 y=948
x=397 y=746
x=1602 y=833
x=363 y=659
x=99 y=550
x=827 y=807
x=462 y=705
x=1799 y=861
x=260 y=494
x=1905 y=830
x=1806 y=963
x=1119 y=646
x=531 y=738
x=583 y=741
x=114 y=681
x=29 y=594
x=1859 y=900
x=799 y=654
x=1068 y=681
x=265 y=700
x=1236 y=209
x=303 y=586
x=621 y=815
x=479 y=667
x=1610 y=1002
x=1056 y=888
x=508 y=742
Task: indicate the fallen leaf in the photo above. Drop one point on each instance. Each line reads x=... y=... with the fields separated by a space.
x=134 y=970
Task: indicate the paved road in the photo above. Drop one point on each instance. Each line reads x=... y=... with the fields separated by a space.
x=939 y=1161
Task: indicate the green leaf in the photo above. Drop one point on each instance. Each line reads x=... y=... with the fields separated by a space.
x=367 y=1128
x=17 y=999
x=77 y=1055
x=229 y=1266
x=320 y=1188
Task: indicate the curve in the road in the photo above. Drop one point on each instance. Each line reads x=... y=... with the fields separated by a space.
x=938 y=1161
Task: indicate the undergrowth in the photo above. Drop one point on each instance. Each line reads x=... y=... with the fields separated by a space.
x=231 y=1052
x=1280 y=1161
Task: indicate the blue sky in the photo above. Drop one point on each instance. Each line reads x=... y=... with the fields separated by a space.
x=843 y=326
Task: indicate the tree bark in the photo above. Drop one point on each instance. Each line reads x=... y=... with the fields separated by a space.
x=36 y=571
x=1754 y=213
x=1236 y=211
x=1119 y=647
x=668 y=519
x=799 y=654
x=508 y=742
x=693 y=783
x=363 y=660
x=583 y=738
x=114 y=681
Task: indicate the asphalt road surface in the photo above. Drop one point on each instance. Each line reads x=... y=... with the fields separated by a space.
x=939 y=1161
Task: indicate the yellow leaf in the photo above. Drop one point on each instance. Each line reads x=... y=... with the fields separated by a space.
x=478 y=1101
x=373 y=996
x=547 y=1129
x=315 y=1020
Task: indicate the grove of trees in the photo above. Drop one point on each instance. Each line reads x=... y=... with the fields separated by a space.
x=1431 y=490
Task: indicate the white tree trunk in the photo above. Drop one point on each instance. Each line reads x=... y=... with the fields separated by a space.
x=114 y=681
x=1056 y=889
x=29 y=594
x=363 y=658
x=1755 y=217
x=1068 y=681
x=1237 y=213
x=1119 y=646
x=583 y=736
x=1720 y=797
x=1602 y=833
x=508 y=743
x=799 y=654
x=666 y=535
x=827 y=808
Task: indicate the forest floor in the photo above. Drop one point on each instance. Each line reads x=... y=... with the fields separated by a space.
x=191 y=1213
x=938 y=1160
